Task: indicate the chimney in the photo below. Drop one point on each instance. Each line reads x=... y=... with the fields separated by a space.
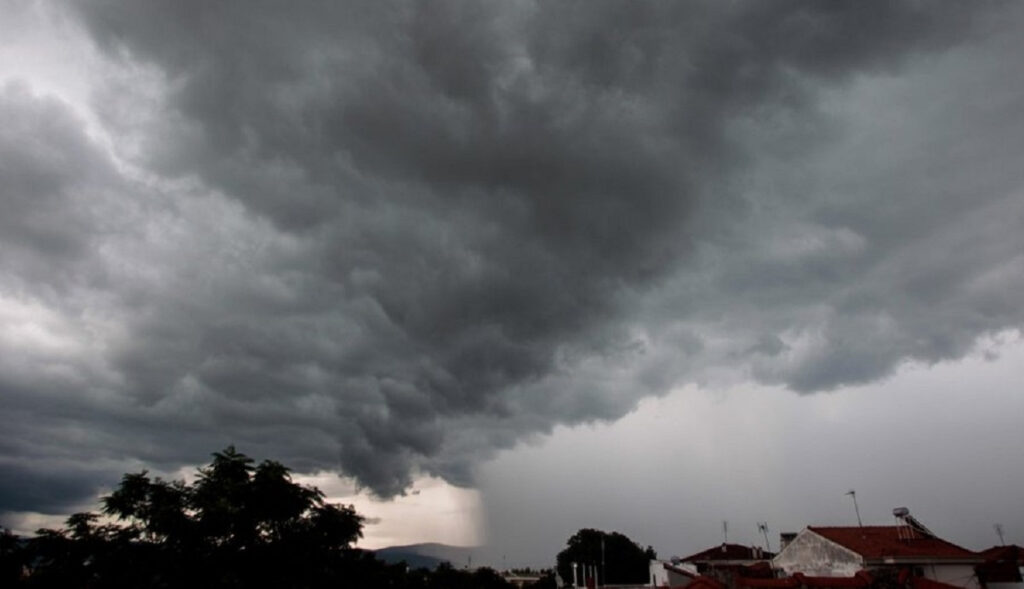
x=784 y=539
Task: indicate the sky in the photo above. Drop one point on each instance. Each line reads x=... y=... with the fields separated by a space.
x=497 y=271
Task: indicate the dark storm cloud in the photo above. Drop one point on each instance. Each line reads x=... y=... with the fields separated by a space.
x=408 y=235
x=50 y=489
x=50 y=173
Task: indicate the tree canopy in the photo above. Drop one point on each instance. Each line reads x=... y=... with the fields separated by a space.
x=238 y=525
x=613 y=554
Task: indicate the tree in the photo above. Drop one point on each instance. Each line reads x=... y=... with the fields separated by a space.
x=237 y=525
x=613 y=554
x=546 y=581
x=11 y=558
x=448 y=577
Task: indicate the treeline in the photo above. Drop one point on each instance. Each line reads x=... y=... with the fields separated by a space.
x=612 y=557
x=238 y=525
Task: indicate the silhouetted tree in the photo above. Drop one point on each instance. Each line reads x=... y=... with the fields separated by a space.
x=237 y=525
x=448 y=577
x=546 y=581
x=12 y=559
x=625 y=562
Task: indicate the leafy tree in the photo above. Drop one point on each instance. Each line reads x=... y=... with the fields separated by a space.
x=237 y=525
x=624 y=561
x=448 y=577
x=546 y=581
x=11 y=558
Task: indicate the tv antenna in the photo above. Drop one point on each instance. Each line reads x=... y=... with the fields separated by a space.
x=763 y=528
x=856 y=509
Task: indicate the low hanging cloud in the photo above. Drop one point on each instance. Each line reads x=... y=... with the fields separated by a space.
x=394 y=238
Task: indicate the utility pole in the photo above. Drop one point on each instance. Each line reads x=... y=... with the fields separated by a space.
x=604 y=569
x=856 y=509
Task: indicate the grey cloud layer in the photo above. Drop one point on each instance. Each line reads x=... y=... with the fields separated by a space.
x=409 y=235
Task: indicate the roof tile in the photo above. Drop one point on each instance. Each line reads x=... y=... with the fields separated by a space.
x=730 y=552
x=877 y=542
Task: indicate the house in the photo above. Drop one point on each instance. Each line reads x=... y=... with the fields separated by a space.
x=861 y=580
x=911 y=547
x=668 y=574
x=728 y=562
x=703 y=582
x=727 y=556
x=1003 y=567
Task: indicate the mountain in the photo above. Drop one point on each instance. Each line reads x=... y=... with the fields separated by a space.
x=428 y=555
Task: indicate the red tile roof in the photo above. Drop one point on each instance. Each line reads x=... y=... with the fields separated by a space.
x=1002 y=564
x=730 y=552
x=861 y=579
x=784 y=583
x=880 y=542
x=703 y=582
x=1004 y=553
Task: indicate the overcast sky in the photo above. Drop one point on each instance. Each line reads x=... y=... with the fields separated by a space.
x=534 y=265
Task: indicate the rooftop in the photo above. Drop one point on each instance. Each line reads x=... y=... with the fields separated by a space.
x=730 y=552
x=877 y=542
x=860 y=580
x=1011 y=552
x=1002 y=564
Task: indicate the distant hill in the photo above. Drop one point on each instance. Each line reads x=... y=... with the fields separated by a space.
x=427 y=555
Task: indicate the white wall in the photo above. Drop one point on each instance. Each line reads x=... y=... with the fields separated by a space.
x=959 y=575
x=815 y=556
x=659 y=576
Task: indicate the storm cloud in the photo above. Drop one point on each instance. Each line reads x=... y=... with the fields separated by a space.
x=393 y=238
